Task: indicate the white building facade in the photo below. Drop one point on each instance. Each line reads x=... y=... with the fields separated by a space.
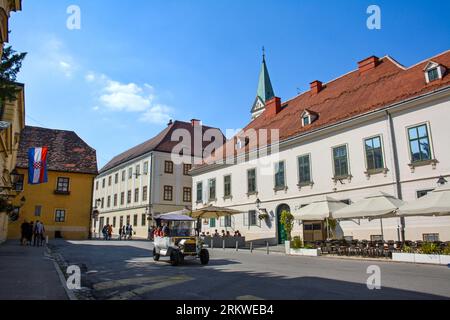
x=142 y=183
x=382 y=127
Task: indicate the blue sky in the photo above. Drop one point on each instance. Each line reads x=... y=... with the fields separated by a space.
x=135 y=64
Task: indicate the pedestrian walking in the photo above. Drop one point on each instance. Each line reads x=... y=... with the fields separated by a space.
x=105 y=232
x=127 y=231
x=130 y=236
x=23 y=232
x=120 y=233
x=38 y=231
x=29 y=234
x=110 y=231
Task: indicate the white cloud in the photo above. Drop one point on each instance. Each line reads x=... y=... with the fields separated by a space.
x=129 y=97
x=157 y=114
x=54 y=56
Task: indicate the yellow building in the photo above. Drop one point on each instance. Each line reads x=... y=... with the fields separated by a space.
x=63 y=204
x=12 y=121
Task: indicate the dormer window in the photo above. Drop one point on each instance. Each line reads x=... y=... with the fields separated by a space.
x=306 y=120
x=434 y=71
x=308 y=117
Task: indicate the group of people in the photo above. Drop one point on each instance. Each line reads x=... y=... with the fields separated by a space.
x=160 y=231
x=223 y=234
x=125 y=232
x=32 y=233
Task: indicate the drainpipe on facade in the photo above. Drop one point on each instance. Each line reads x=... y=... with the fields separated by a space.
x=91 y=215
x=150 y=189
x=396 y=169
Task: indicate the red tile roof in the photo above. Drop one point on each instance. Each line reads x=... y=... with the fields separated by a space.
x=67 y=152
x=350 y=95
x=161 y=142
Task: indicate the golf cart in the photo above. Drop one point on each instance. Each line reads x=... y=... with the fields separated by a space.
x=179 y=240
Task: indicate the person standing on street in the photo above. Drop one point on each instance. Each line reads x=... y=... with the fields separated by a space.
x=38 y=230
x=130 y=235
x=110 y=231
x=23 y=232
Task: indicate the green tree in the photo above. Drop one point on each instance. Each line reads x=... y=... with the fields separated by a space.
x=287 y=220
x=10 y=66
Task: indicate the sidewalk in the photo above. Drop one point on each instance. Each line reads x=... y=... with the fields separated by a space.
x=27 y=274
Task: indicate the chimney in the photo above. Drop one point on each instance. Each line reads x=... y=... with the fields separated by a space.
x=273 y=107
x=316 y=87
x=368 y=64
x=195 y=122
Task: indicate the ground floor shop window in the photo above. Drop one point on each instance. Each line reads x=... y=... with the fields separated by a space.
x=430 y=237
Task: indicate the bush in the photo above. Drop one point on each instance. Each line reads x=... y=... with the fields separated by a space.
x=429 y=248
x=297 y=243
x=446 y=250
x=407 y=249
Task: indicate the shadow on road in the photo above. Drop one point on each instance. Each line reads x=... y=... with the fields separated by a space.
x=129 y=272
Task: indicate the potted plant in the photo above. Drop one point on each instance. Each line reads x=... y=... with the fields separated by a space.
x=298 y=248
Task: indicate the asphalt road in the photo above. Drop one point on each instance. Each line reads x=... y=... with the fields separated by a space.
x=126 y=270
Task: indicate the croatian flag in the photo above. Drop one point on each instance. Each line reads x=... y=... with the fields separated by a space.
x=37 y=165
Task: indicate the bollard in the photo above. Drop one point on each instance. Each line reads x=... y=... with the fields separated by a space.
x=237 y=246
x=212 y=244
x=46 y=240
x=223 y=244
x=251 y=247
x=267 y=243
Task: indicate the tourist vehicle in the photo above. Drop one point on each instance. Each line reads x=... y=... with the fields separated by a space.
x=180 y=239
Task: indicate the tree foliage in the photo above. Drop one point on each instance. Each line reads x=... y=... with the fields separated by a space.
x=10 y=66
x=287 y=220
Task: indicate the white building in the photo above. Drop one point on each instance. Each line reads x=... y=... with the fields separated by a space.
x=382 y=127
x=144 y=182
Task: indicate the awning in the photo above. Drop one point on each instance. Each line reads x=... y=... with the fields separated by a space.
x=320 y=210
x=436 y=203
x=378 y=205
x=213 y=212
x=182 y=215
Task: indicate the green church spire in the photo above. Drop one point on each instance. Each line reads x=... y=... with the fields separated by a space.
x=265 y=90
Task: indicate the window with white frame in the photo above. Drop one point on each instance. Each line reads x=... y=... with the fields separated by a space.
x=251 y=181
x=304 y=169
x=434 y=71
x=374 y=153
x=212 y=189
x=280 y=182
x=199 y=192
x=60 y=215
x=340 y=161
x=419 y=143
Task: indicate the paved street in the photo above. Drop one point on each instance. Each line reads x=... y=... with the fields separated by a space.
x=126 y=270
x=27 y=273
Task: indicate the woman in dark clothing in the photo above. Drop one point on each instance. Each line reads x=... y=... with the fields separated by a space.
x=29 y=234
x=23 y=232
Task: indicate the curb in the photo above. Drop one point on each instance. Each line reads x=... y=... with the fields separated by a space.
x=62 y=278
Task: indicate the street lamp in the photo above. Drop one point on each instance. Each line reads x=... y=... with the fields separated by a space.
x=258 y=203
x=441 y=181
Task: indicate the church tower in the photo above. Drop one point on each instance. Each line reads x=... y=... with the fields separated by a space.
x=264 y=92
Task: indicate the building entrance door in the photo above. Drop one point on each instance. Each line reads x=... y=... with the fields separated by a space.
x=281 y=231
